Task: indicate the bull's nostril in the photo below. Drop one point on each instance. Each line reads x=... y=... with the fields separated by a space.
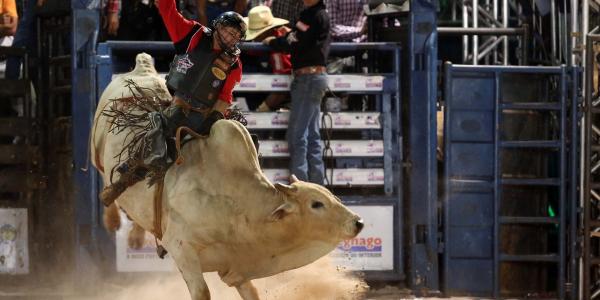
x=360 y=224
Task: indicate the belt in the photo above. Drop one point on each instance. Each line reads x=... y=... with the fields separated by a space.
x=310 y=70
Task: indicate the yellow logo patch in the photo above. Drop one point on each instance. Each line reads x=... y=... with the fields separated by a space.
x=218 y=73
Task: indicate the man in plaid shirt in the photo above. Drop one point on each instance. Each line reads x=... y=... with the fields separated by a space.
x=287 y=10
x=348 y=20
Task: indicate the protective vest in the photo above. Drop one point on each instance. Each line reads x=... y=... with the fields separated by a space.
x=201 y=73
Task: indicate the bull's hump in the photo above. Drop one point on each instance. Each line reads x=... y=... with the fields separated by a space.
x=144 y=64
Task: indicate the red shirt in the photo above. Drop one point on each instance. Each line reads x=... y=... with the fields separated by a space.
x=186 y=34
x=280 y=62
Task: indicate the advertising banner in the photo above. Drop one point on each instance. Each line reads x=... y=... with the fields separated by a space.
x=373 y=248
x=139 y=260
x=14 y=251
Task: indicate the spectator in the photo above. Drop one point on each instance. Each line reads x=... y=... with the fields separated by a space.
x=287 y=9
x=262 y=24
x=112 y=9
x=308 y=44
x=8 y=27
x=25 y=37
x=348 y=20
x=8 y=22
x=188 y=9
x=208 y=10
x=140 y=20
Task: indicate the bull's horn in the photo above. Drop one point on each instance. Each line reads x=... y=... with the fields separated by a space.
x=294 y=179
x=287 y=189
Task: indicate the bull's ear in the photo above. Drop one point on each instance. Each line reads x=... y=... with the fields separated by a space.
x=281 y=211
x=294 y=179
x=286 y=189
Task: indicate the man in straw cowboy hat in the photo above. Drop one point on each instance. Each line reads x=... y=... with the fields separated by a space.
x=261 y=25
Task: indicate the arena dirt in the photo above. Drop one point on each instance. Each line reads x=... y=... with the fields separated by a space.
x=319 y=280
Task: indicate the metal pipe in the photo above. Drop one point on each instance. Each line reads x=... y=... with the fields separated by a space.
x=490 y=47
x=454 y=4
x=483 y=10
x=480 y=31
x=484 y=45
x=465 y=26
x=560 y=38
x=475 y=6
x=574 y=32
x=585 y=26
x=553 y=30
x=489 y=17
x=505 y=25
x=495 y=16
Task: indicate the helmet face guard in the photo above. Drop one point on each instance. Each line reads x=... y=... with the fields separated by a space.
x=233 y=20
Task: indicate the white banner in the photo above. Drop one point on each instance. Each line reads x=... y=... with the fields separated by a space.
x=373 y=248
x=14 y=252
x=140 y=260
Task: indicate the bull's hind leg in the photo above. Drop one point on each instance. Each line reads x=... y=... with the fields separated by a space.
x=185 y=255
x=136 y=236
x=247 y=291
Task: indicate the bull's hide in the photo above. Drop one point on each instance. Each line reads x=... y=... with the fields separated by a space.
x=219 y=212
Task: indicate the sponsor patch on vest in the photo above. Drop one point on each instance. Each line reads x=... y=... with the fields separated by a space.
x=218 y=73
x=183 y=64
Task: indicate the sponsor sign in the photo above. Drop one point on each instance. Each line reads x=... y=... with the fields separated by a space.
x=373 y=248
x=14 y=250
x=139 y=260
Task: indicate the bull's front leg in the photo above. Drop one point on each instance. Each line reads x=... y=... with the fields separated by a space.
x=247 y=291
x=184 y=253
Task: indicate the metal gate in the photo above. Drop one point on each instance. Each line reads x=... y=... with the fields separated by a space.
x=509 y=181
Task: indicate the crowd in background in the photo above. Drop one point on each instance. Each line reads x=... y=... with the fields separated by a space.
x=139 y=19
x=297 y=31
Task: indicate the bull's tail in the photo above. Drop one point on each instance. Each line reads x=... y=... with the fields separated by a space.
x=111 y=218
x=92 y=149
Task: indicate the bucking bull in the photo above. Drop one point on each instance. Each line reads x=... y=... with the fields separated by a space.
x=217 y=210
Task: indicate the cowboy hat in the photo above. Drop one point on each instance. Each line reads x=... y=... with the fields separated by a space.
x=259 y=20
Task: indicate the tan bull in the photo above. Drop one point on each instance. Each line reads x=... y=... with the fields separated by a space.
x=220 y=213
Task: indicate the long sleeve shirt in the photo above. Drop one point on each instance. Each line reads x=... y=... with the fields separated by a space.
x=113 y=6
x=308 y=42
x=347 y=20
x=186 y=34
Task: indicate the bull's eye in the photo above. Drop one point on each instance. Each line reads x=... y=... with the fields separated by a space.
x=317 y=204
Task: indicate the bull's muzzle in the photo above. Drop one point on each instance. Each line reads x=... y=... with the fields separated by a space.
x=359 y=225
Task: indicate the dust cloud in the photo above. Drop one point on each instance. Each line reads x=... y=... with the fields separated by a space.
x=319 y=280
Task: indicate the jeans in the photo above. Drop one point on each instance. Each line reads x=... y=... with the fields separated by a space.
x=25 y=37
x=303 y=136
